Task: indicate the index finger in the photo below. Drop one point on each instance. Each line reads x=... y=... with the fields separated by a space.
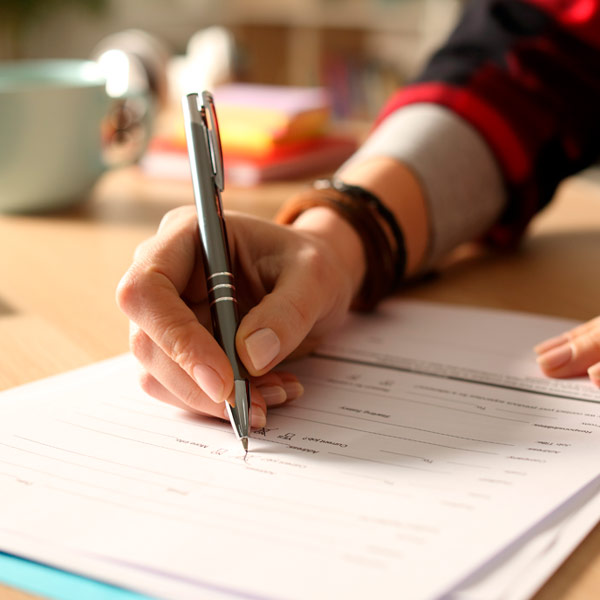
x=150 y=295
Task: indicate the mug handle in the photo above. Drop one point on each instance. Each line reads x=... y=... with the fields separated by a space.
x=138 y=91
x=126 y=129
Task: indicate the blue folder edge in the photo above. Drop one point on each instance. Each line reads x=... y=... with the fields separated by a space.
x=48 y=582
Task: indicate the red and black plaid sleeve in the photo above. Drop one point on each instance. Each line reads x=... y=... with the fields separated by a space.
x=526 y=75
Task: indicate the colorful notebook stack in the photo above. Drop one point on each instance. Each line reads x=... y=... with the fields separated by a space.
x=267 y=133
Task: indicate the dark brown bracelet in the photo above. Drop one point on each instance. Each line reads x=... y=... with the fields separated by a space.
x=370 y=198
x=379 y=255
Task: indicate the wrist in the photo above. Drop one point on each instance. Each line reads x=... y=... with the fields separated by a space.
x=399 y=189
x=379 y=268
x=340 y=236
x=383 y=219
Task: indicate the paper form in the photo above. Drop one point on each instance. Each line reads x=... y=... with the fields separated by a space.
x=379 y=481
x=520 y=571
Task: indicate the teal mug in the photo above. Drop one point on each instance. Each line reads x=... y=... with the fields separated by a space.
x=53 y=123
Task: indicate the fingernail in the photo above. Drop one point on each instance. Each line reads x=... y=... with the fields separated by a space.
x=258 y=418
x=550 y=343
x=273 y=394
x=210 y=382
x=262 y=347
x=555 y=358
x=293 y=389
x=594 y=373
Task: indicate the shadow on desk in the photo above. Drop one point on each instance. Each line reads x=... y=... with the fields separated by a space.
x=129 y=197
x=550 y=273
x=120 y=207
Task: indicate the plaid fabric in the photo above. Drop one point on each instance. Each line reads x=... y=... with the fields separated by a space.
x=526 y=75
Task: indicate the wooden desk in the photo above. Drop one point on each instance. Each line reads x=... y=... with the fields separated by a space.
x=58 y=274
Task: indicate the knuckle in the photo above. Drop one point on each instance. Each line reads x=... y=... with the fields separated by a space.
x=142 y=249
x=313 y=261
x=586 y=345
x=135 y=288
x=594 y=339
x=147 y=382
x=140 y=344
x=175 y=215
x=127 y=292
x=179 y=344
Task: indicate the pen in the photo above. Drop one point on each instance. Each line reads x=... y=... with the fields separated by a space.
x=206 y=163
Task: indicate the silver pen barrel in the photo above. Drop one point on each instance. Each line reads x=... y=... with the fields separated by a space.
x=217 y=264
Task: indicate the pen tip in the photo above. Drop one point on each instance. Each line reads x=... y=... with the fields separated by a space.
x=245 y=444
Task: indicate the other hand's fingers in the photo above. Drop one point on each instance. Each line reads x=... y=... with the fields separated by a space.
x=594 y=373
x=573 y=353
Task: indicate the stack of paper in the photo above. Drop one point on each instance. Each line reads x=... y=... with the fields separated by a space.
x=267 y=133
x=424 y=461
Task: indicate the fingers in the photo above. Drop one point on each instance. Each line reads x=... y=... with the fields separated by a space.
x=157 y=390
x=149 y=294
x=170 y=376
x=165 y=380
x=594 y=373
x=277 y=387
x=574 y=353
x=164 y=296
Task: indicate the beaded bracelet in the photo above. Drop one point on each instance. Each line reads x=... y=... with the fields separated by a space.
x=384 y=265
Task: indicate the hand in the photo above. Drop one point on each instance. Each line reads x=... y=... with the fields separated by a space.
x=293 y=286
x=574 y=353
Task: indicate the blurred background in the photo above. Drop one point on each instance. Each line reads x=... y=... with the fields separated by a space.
x=356 y=53
x=359 y=50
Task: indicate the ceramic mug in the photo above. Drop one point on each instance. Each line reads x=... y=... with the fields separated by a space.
x=51 y=144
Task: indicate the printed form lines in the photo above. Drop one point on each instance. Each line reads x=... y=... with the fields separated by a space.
x=387 y=435
x=412 y=427
x=353 y=390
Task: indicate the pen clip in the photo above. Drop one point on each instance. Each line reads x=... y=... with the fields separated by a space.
x=214 y=139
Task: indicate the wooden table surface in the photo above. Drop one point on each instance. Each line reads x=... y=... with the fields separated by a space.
x=58 y=274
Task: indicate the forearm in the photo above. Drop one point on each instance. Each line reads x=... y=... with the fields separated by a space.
x=433 y=172
x=436 y=174
x=341 y=236
x=524 y=75
x=398 y=188
x=383 y=176
x=452 y=156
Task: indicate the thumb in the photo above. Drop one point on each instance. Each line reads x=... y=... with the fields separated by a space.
x=280 y=322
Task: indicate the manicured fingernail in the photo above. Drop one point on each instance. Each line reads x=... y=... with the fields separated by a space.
x=293 y=389
x=258 y=418
x=555 y=358
x=594 y=373
x=273 y=394
x=210 y=382
x=550 y=343
x=262 y=347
